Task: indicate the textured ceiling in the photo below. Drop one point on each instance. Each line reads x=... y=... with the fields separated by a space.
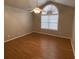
x=24 y=4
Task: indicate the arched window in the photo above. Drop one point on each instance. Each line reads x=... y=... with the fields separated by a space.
x=49 y=17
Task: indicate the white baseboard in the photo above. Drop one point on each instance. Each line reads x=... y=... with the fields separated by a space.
x=17 y=37
x=53 y=35
x=36 y=32
x=73 y=48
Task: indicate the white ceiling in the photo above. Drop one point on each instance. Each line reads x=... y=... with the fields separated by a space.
x=24 y=4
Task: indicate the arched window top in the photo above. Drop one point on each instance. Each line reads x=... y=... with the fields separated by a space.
x=50 y=9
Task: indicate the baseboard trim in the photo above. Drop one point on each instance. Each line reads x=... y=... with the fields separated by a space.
x=16 y=37
x=73 y=48
x=52 y=35
x=36 y=32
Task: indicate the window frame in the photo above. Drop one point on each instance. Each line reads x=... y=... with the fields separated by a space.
x=51 y=22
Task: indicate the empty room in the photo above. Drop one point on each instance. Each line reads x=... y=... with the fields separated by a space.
x=39 y=29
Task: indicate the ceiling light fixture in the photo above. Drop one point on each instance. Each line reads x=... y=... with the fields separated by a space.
x=37 y=10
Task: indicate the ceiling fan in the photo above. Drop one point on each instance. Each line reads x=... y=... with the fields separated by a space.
x=37 y=10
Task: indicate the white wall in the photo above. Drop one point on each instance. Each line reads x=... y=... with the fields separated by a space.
x=17 y=22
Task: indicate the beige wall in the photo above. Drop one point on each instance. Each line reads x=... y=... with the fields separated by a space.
x=17 y=22
x=67 y=2
x=65 y=22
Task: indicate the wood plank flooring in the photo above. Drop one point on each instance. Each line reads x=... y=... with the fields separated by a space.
x=38 y=46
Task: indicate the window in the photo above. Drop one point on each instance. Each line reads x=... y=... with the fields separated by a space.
x=49 y=17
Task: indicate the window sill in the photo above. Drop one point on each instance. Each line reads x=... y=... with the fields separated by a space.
x=50 y=29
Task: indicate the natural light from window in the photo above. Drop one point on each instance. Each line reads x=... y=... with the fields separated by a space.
x=49 y=17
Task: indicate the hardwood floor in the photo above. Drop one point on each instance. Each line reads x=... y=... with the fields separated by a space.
x=38 y=46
